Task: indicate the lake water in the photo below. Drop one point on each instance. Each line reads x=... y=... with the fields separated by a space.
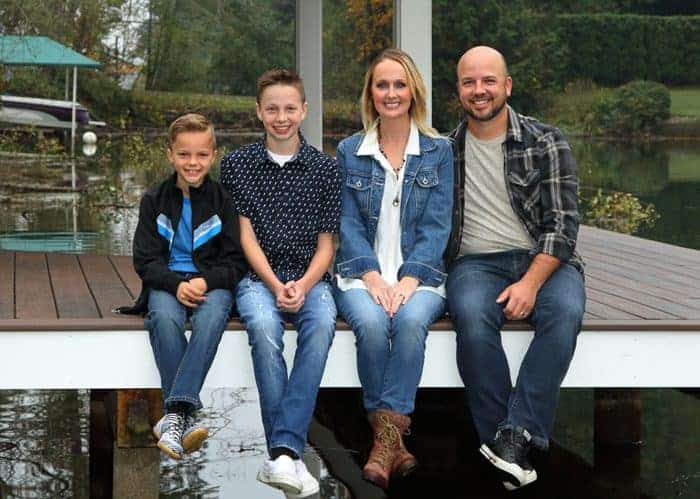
x=44 y=434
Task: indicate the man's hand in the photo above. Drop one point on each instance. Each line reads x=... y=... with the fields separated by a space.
x=519 y=299
x=521 y=296
x=191 y=293
x=378 y=289
x=402 y=292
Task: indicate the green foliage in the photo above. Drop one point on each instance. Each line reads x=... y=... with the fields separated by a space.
x=535 y=55
x=619 y=212
x=611 y=49
x=32 y=82
x=635 y=108
x=217 y=46
x=30 y=141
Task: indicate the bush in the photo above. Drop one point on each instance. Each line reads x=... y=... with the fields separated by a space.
x=611 y=49
x=635 y=108
x=619 y=211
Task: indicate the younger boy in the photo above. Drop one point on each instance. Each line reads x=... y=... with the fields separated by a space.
x=288 y=196
x=187 y=252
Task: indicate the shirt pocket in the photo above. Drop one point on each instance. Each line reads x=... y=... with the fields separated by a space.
x=360 y=187
x=526 y=191
x=425 y=182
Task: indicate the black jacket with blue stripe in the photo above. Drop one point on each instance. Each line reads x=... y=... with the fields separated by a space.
x=216 y=247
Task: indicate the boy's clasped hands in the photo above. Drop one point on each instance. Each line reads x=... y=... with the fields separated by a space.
x=290 y=296
x=191 y=293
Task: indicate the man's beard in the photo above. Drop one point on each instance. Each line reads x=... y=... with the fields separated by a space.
x=494 y=112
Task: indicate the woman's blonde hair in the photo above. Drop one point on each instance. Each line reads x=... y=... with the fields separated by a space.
x=418 y=110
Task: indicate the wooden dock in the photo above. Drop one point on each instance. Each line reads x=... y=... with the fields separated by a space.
x=643 y=303
x=57 y=331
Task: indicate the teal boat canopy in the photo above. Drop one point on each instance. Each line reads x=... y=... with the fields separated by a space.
x=40 y=51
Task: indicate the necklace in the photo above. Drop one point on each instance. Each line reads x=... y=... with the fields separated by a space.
x=396 y=200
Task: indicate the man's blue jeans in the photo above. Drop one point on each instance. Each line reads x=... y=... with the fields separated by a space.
x=287 y=402
x=183 y=365
x=473 y=284
x=390 y=351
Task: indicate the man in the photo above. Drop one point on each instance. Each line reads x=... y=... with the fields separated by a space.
x=511 y=256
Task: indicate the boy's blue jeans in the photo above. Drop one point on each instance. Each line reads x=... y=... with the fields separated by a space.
x=390 y=351
x=183 y=365
x=287 y=401
x=473 y=284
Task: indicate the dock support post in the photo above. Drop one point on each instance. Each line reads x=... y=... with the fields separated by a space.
x=124 y=460
x=617 y=442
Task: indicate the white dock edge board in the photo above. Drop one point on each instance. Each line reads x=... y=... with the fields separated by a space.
x=123 y=359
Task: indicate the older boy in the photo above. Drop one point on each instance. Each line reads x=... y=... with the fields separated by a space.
x=288 y=197
x=188 y=255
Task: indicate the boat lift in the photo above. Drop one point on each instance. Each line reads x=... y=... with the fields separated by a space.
x=43 y=51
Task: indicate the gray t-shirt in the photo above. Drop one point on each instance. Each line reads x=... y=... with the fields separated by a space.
x=490 y=224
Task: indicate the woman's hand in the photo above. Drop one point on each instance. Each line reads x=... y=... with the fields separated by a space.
x=378 y=289
x=402 y=292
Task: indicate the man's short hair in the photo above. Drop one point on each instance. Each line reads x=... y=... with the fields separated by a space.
x=190 y=122
x=280 y=77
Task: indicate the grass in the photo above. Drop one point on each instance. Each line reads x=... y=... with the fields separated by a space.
x=569 y=109
x=232 y=111
x=685 y=102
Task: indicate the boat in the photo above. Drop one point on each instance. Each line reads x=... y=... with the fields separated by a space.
x=44 y=113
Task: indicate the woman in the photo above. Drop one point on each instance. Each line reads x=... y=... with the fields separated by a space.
x=394 y=226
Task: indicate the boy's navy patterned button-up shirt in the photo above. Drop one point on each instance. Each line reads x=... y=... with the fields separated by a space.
x=288 y=206
x=542 y=180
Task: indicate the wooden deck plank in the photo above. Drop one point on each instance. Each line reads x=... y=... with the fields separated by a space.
x=638 y=275
x=628 y=285
x=135 y=323
x=596 y=237
x=7 y=285
x=624 y=262
x=106 y=286
x=125 y=269
x=604 y=310
x=665 y=264
x=679 y=310
x=620 y=304
x=71 y=292
x=33 y=293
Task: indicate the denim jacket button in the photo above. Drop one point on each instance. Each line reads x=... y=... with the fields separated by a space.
x=358 y=184
x=424 y=181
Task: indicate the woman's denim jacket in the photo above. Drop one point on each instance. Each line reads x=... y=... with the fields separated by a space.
x=426 y=207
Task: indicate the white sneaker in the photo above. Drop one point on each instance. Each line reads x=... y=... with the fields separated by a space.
x=280 y=473
x=309 y=485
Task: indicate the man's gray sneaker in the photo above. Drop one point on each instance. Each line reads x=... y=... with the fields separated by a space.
x=193 y=435
x=168 y=430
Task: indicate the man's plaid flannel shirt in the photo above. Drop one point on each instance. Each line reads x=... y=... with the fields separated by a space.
x=541 y=178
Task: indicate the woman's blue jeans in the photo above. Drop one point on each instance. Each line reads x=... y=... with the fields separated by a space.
x=183 y=365
x=287 y=401
x=473 y=284
x=390 y=351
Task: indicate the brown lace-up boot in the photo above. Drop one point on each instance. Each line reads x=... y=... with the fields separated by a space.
x=388 y=426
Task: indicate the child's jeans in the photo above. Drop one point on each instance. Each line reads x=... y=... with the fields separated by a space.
x=287 y=402
x=183 y=365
